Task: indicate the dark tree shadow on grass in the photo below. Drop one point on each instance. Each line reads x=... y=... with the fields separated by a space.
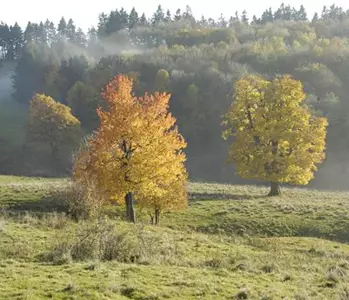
x=52 y=202
x=221 y=196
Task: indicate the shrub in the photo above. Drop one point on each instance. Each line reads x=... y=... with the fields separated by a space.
x=103 y=240
x=344 y=294
x=54 y=220
x=19 y=250
x=82 y=202
x=335 y=275
x=242 y=295
x=216 y=263
x=301 y=296
x=268 y=268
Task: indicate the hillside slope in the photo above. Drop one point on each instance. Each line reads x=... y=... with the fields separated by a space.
x=231 y=243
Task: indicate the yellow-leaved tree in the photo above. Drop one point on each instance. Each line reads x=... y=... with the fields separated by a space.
x=136 y=151
x=52 y=122
x=275 y=138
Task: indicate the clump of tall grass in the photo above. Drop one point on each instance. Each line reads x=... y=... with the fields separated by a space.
x=81 y=201
x=104 y=240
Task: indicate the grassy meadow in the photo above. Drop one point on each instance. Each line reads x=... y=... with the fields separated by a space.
x=231 y=243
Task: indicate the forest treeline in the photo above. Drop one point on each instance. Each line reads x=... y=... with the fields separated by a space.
x=197 y=61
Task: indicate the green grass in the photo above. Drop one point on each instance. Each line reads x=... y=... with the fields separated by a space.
x=30 y=193
x=238 y=210
x=246 y=211
x=231 y=242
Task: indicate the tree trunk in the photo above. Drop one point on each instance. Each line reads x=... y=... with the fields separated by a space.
x=130 y=213
x=157 y=216
x=274 y=189
x=151 y=220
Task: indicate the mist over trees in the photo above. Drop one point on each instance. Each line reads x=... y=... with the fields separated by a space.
x=197 y=61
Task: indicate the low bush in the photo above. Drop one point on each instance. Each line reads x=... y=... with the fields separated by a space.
x=81 y=202
x=105 y=241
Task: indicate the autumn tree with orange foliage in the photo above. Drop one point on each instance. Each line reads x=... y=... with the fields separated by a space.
x=137 y=151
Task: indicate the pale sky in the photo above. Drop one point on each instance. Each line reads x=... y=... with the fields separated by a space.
x=85 y=13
